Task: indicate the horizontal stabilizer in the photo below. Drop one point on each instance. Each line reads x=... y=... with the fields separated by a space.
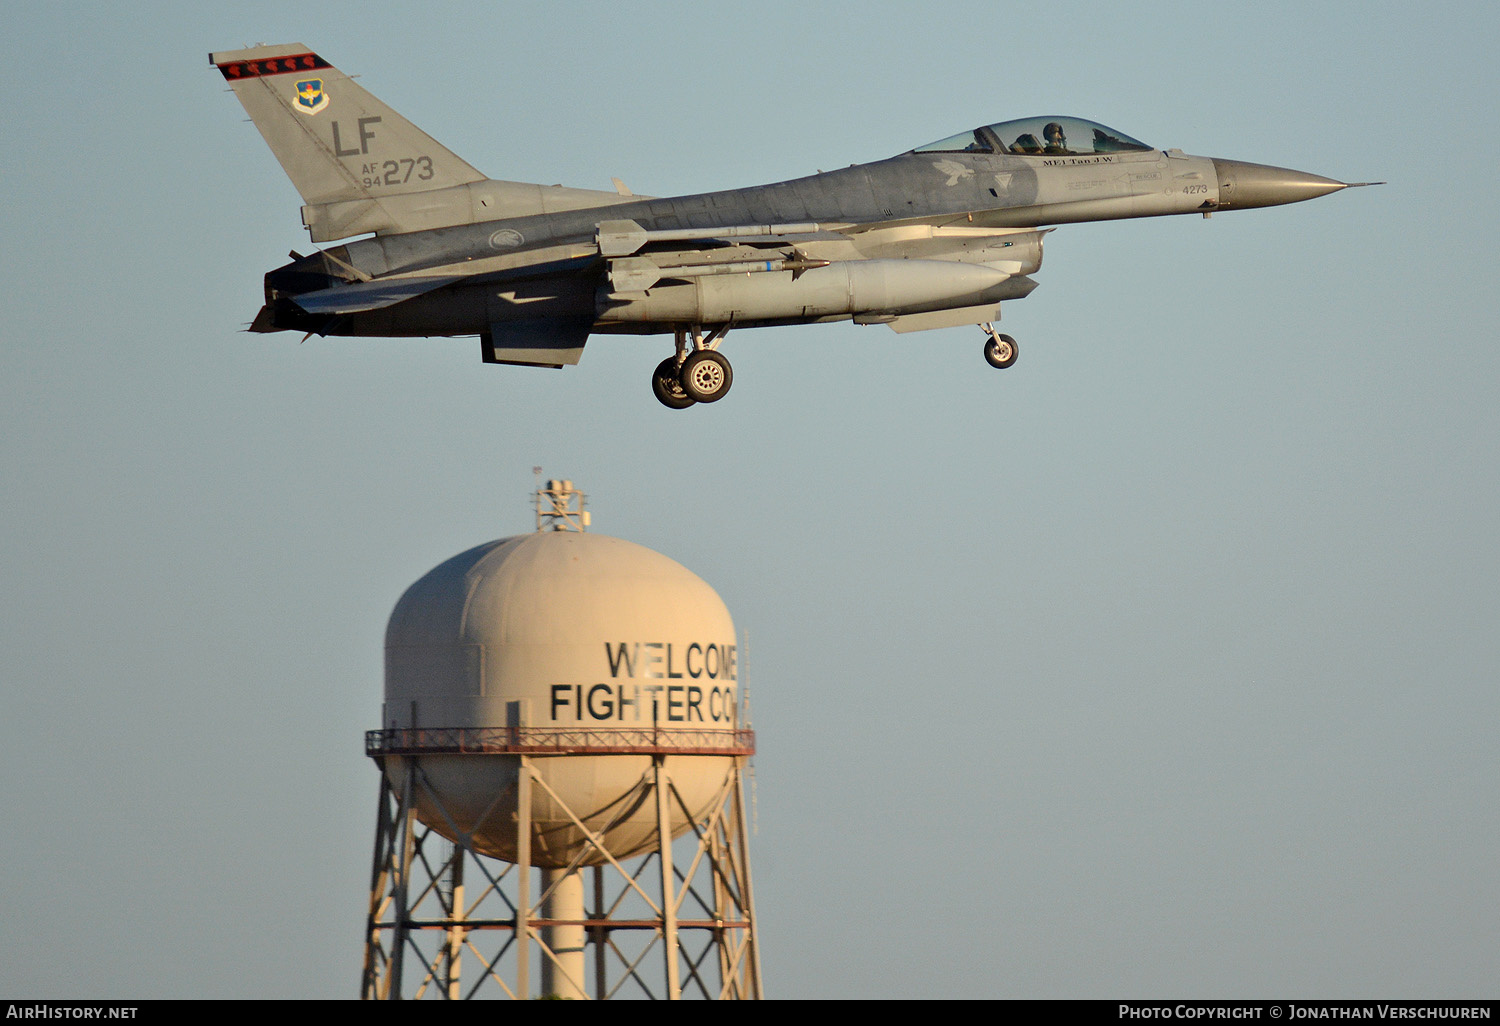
x=361 y=296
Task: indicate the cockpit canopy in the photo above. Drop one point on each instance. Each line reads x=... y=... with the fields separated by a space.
x=1038 y=137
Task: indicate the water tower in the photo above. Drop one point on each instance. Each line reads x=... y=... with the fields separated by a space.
x=567 y=702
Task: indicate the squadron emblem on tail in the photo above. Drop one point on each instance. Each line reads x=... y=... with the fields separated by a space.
x=310 y=95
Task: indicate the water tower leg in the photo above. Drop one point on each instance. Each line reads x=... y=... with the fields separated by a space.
x=563 y=971
x=668 y=882
x=390 y=824
x=454 y=946
x=740 y=849
x=601 y=981
x=523 y=880
x=407 y=841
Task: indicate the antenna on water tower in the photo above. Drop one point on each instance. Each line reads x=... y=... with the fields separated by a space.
x=565 y=701
x=559 y=507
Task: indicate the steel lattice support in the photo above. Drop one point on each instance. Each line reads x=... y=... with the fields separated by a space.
x=677 y=921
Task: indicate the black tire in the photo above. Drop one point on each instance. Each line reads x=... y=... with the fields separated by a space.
x=706 y=376
x=667 y=386
x=1001 y=351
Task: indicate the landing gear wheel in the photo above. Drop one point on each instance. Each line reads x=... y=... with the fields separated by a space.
x=1001 y=351
x=706 y=376
x=667 y=386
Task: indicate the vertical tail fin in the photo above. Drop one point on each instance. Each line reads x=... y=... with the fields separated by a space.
x=351 y=157
x=359 y=165
x=335 y=140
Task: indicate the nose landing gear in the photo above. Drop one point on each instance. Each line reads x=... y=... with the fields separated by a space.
x=999 y=350
x=699 y=373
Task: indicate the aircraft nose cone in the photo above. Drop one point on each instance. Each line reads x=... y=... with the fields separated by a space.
x=1244 y=185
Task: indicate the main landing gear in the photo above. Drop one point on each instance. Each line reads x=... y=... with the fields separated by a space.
x=699 y=373
x=999 y=350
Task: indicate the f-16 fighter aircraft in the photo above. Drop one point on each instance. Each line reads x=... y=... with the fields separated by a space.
x=935 y=237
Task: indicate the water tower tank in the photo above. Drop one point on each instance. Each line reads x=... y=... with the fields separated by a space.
x=577 y=649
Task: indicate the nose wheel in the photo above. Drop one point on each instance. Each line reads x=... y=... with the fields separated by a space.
x=1000 y=351
x=699 y=373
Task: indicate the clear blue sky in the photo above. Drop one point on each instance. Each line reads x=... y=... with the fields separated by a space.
x=1163 y=663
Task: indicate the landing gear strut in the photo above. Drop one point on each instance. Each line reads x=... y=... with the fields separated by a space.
x=999 y=350
x=699 y=373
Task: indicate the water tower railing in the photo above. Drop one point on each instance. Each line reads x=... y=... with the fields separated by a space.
x=557 y=741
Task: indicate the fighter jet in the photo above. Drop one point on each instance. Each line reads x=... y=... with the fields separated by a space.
x=936 y=237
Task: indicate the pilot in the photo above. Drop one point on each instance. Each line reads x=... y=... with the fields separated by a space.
x=1053 y=134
